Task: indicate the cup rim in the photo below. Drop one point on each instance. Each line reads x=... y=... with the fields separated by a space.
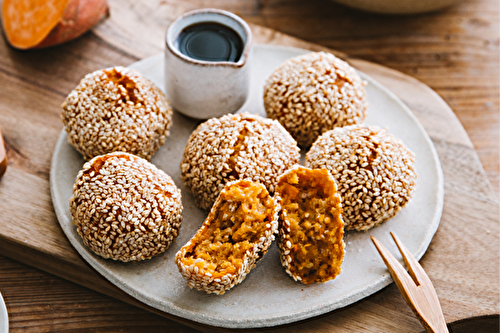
x=246 y=49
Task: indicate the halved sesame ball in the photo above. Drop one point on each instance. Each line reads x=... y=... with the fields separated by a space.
x=236 y=234
x=373 y=169
x=125 y=208
x=311 y=229
x=116 y=109
x=313 y=93
x=232 y=147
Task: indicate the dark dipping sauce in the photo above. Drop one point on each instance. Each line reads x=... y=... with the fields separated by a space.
x=210 y=41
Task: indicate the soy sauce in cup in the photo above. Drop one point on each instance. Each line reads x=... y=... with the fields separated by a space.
x=207 y=63
x=210 y=41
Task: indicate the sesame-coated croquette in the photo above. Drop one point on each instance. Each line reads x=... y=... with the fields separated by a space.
x=125 y=208
x=232 y=147
x=116 y=109
x=374 y=171
x=236 y=234
x=313 y=93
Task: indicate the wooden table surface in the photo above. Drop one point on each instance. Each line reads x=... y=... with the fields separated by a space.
x=454 y=51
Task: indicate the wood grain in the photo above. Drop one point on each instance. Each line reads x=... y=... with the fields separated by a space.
x=455 y=52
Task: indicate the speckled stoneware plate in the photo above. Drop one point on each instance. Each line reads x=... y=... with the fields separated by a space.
x=267 y=297
x=4 y=318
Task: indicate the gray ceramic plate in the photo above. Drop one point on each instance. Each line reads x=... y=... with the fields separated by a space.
x=267 y=297
x=4 y=318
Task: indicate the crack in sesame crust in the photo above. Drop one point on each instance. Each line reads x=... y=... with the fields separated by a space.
x=313 y=93
x=116 y=109
x=374 y=170
x=310 y=228
x=236 y=234
x=241 y=146
x=125 y=208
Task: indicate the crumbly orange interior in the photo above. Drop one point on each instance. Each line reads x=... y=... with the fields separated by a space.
x=124 y=81
x=316 y=228
x=241 y=219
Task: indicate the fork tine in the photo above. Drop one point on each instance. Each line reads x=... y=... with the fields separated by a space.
x=415 y=287
x=397 y=271
x=416 y=271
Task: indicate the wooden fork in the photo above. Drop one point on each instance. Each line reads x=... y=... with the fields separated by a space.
x=416 y=287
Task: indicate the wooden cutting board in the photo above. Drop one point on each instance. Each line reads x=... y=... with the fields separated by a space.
x=462 y=260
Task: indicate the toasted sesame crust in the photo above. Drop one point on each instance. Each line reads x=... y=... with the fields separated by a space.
x=218 y=280
x=310 y=225
x=125 y=208
x=241 y=146
x=116 y=109
x=374 y=171
x=313 y=93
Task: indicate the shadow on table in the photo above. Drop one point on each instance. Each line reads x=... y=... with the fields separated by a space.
x=483 y=324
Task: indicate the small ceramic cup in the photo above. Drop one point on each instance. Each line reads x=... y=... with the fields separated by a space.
x=205 y=89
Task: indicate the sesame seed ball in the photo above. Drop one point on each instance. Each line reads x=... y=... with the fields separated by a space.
x=373 y=169
x=125 y=208
x=232 y=147
x=313 y=93
x=234 y=237
x=310 y=230
x=116 y=109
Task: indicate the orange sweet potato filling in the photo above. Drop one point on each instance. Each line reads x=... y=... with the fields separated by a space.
x=129 y=85
x=316 y=227
x=240 y=220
